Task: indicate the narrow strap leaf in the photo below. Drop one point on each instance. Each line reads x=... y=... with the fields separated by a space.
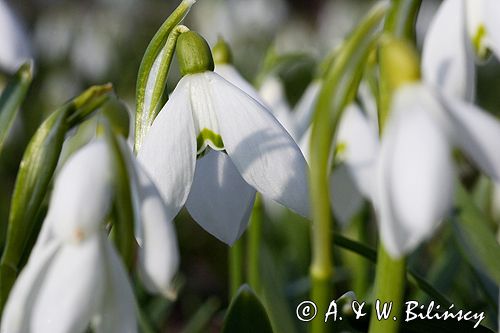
x=12 y=98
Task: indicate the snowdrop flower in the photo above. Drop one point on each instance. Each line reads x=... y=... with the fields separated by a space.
x=74 y=276
x=242 y=149
x=460 y=28
x=415 y=169
x=14 y=44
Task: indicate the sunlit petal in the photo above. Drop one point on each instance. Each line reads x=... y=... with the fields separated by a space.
x=260 y=148
x=273 y=94
x=447 y=56
x=220 y=200
x=168 y=153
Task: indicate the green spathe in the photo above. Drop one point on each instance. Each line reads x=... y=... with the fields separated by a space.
x=193 y=54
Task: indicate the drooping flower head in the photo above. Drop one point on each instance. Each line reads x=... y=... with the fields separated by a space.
x=212 y=146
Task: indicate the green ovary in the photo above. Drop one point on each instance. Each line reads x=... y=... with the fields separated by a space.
x=207 y=135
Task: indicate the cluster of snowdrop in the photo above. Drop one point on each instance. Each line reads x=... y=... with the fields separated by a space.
x=218 y=141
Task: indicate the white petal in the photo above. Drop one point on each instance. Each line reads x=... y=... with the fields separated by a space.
x=72 y=290
x=304 y=109
x=15 y=45
x=345 y=198
x=415 y=174
x=220 y=200
x=260 y=148
x=19 y=305
x=447 y=56
x=273 y=94
x=492 y=8
x=229 y=73
x=158 y=254
x=82 y=193
x=204 y=115
x=477 y=133
x=168 y=153
x=118 y=314
x=359 y=142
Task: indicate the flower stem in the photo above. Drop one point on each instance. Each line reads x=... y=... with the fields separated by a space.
x=235 y=267
x=389 y=287
x=254 y=245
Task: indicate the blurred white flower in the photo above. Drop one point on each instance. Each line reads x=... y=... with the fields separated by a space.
x=415 y=169
x=14 y=43
x=245 y=149
x=74 y=277
x=459 y=28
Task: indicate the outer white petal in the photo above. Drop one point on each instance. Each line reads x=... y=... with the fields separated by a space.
x=168 y=152
x=415 y=174
x=229 y=73
x=492 y=8
x=220 y=200
x=260 y=148
x=72 y=290
x=477 y=133
x=345 y=199
x=15 y=47
x=158 y=254
x=447 y=56
x=304 y=109
x=19 y=305
x=360 y=142
x=273 y=94
x=82 y=192
x=118 y=314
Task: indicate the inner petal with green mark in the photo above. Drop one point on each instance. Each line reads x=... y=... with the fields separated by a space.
x=479 y=42
x=205 y=119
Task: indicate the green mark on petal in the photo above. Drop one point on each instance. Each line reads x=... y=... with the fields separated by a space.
x=478 y=41
x=207 y=135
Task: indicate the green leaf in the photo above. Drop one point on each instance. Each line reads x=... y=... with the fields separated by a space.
x=145 y=114
x=475 y=237
x=35 y=173
x=246 y=314
x=12 y=98
x=199 y=322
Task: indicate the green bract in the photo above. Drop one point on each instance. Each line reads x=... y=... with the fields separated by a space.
x=193 y=54
x=153 y=71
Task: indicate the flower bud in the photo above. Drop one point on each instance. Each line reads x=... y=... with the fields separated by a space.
x=222 y=53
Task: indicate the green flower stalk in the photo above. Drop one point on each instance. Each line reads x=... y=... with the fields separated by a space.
x=339 y=88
